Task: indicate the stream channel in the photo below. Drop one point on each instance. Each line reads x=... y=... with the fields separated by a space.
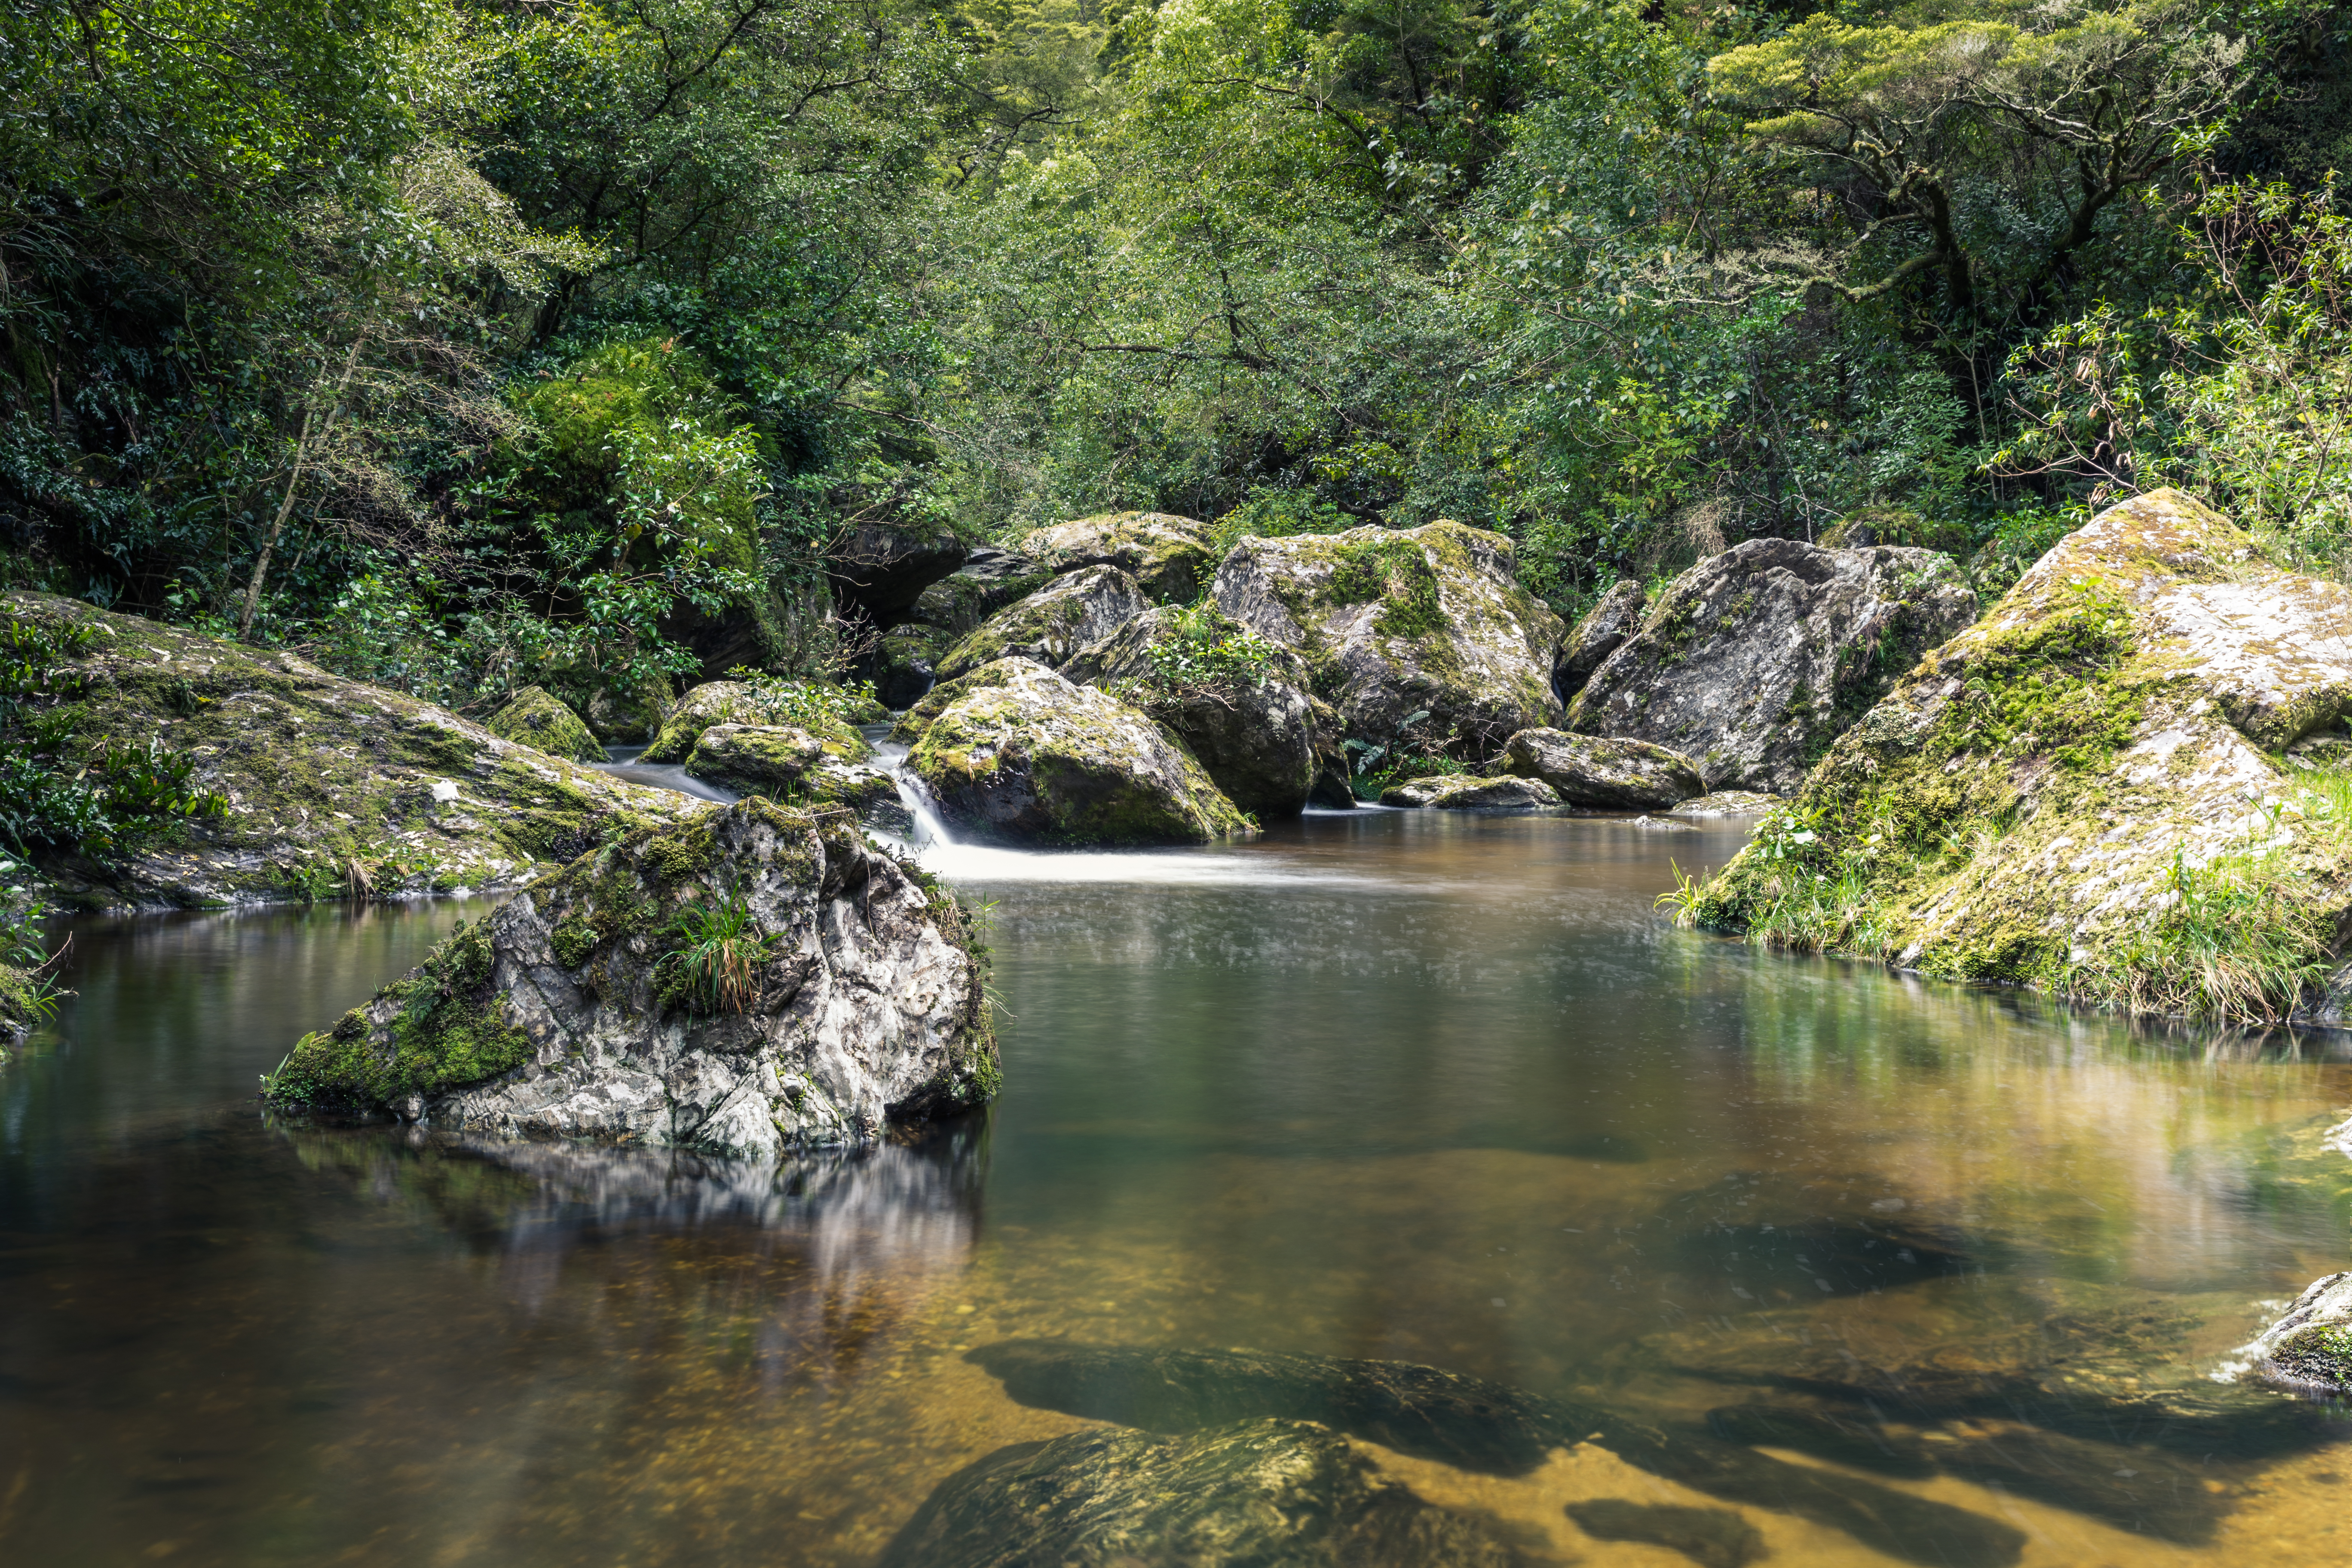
x=1431 y=1087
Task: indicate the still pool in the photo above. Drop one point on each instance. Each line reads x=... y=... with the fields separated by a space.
x=1409 y=1085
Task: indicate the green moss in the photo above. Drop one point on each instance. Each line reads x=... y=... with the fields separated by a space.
x=443 y=1032
x=2318 y=1355
x=573 y=941
x=533 y=718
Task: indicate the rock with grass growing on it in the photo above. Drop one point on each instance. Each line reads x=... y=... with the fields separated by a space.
x=1169 y=557
x=1027 y=757
x=811 y=706
x=532 y=718
x=1052 y=624
x=2086 y=794
x=1612 y=621
x=1753 y=661
x=1601 y=774
x=1468 y=792
x=749 y=981
x=1424 y=629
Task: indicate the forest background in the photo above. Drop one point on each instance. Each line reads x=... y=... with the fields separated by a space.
x=466 y=343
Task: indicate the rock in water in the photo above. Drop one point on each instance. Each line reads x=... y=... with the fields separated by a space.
x=1754 y=660
x=1605 y=775
x=744 y=983
x=1605 y=628
x=532 y=718
x=1169 y=556
x=2082 y=794
x=2309 y=1349
x=1395 y=624
x=1260 y=736
x=795 y=767
x=1025 y=757
x=331 y=785
x=1713 y=1537
x=1268 y=1493
x=1051 y=624
x=1465 y=792
x=741 y=703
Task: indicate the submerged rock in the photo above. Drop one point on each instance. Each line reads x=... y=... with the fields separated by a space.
x=2309 y=1349
x=1051 y=624
x=532 y=718
x=1605 y=775
x=741 y=703
x=2082 y=793
x=1754 y=660
x=1423 y=627
x=1268 y=1493
x=796 y=767
x=1712 y=1537
x=744 y=983
x=330 y=786
x=1467 y=792
x=1169 y=557
x=1025 y=757
x=1606 y=627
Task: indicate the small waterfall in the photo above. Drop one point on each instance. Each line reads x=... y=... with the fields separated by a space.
x=891 y=757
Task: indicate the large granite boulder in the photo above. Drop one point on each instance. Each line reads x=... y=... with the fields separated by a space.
x=1049 y=626
x=1028 y=757
x=795 y=766
x=1603 y=774
x=883 y=568
x=1169 y=557
x=2085 y=791
x=1754 y=660
x=532 y=718
x=743 y=702
x=1238 y=702
x=749 y=981
x=1606 y=627
x=1396 y=624
x=1467 y=792
x=328 y=787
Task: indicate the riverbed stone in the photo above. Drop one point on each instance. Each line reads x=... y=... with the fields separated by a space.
x=533 y=718
x=1753 y=661
x=1028 y=757
x=1468 y=792
x=1071 y=612
x=2309 y=1350
x=1602 y=772
x=742 y=702
x=1729 y=803
x=791 y=765
x=1169 y=557
x=332 y=786
x=1711 y=1537
x=2084 y=791
x=1424 y=630
x=1612 y=622
x=577 y=1009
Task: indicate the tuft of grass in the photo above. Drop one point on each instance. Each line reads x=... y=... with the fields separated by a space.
x=715 y=966
x=2229 y=939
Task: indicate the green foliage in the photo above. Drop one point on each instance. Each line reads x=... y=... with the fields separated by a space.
x=29 y=992
x=445 y=1032
x=714 y=960
x=1203 y=648
x=814 y=705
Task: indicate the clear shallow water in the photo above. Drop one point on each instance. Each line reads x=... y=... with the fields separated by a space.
x=1407 y=1084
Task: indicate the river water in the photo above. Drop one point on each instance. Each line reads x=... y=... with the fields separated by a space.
x=1423 y=1085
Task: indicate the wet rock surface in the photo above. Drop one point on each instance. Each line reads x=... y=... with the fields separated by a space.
x=1052 y=624
x=1427 y=625
x=1021 y=755
x=320 y=775
x=1605 y=628
x=1468 y=792
x=1754 y=660
x=1603 y=774
x=850 y=1001
x=1169 y=556
x=533 y=718
x=2309 y=1349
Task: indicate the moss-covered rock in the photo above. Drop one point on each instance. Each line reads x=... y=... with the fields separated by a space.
x=791 y=765
x=1027 y=757
x=989 y=580
x=1052 y=624
x=806 y=706
x=906 y=663
x=2087 y=792
x=1468 y=792
x=1398 y=624
x=627 y=717
x=1169 y=557
x=332 y=786
x=749 y=981
x=532 y=718
x=1753 y=661
x=1603 y=774
x=1612 y=622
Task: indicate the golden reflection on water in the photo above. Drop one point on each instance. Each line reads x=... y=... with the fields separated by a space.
x=1404 y=1088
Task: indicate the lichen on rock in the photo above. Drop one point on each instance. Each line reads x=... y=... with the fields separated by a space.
x=1052 y=624
x=1025 y=757
x=1468 y=792
x=1603 y=774
x=851 y=1000
x=745 y=703
x=533 y=718
x=795 y=766
x=1169 y=557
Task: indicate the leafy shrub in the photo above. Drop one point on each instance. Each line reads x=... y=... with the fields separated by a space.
x=811 y=703
x=1204 y=648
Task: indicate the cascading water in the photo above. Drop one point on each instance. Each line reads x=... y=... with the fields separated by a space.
x=929 y=830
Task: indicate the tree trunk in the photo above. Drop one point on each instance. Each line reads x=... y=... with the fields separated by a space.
x=302 y=450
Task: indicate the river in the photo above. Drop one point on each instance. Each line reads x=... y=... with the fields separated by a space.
x=1423 y=1086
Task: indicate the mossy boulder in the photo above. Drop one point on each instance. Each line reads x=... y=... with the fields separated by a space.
x=532 y=718
x=1603 y=774
x=332 y=786
x=1028 y=757
x=1468 y=792
x=793 y=765
x=1169 y=556
x=2309 y=1349
x=594 y=1004
x=742 y=702
x=1612 y=622
x=2090 y=790
x=904 y=664
x=883 y=567
x=990 y=579
x=1754 y=660
x=627 y=716
x=1396 y=624
x=1052 y=624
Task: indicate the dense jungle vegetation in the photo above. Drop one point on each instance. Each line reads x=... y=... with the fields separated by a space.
x=466 y=342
